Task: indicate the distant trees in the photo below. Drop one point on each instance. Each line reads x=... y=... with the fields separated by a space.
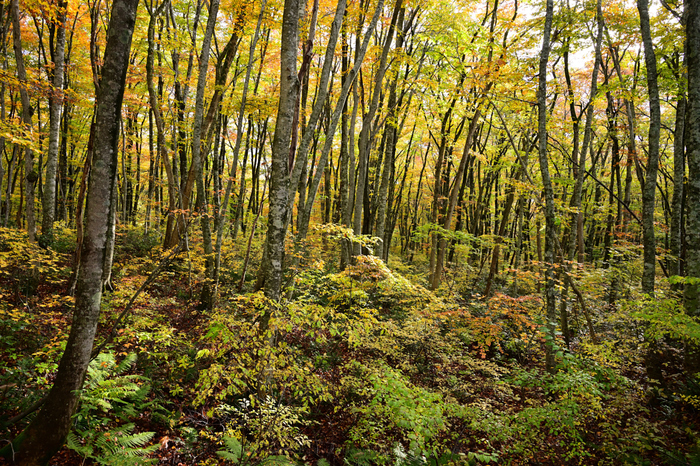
x=407 y=67
x=30 y=175
x=411 y=123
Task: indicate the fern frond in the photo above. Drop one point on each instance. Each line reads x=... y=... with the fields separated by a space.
x=234 y=449
x=125 y=364
x=73 y=443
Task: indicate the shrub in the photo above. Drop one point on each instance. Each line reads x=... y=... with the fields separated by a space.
x=392 y=410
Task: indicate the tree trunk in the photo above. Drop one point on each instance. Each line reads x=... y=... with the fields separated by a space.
x=109 y=246
x=207 y=296
x=365 y=140
x=30 y=176
x=452 y=205
x=346 y=170
x=692 y=230
x=49 y=194
x=279 y=177
x=172 y=236
x=549 y=214
x=576 y=241
x=321 y=99
x=676 y=227
x=47 y=432
x=3 y=115
x=392 y=134
x=649 y=190
x=677 y=204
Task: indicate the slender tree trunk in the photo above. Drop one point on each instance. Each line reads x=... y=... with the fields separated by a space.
x=30 y=176
x=110 y=243
x=676 y=229
x=207 y=296
x=300 y=160
x=653 y=357
x=452 y=205
x=649 y=191
x=172 y=236
x=510 y=198
x=576 y=242
x=11 y=171
x=392 y=134
x=677 y=204
x=549 y=214
x=346 y=171
x=631 y=140
x=330 y=131
x=47 y=432
x=49 y=194
x=436 y=209
x=279 y=177
x=3 y=115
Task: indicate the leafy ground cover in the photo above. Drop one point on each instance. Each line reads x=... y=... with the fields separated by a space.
x=360 y=366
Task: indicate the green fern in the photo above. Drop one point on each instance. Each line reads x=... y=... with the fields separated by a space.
x=234 y=450
x=74 y=443
x=108 y=397
x=120 y=446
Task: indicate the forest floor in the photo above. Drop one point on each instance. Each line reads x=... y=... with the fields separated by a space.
x=363 y=366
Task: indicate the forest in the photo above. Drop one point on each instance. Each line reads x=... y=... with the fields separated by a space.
x=350 y=232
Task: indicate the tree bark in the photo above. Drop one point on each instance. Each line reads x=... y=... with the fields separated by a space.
x=172 y=235
x=452 y=205
x=310 y=130
x=392 y=134
x=649 y=190
x=30 y=176
x=47 y=432
x=346 y=170
x=206 y=299
x=279 y=177
x=692 y=230
x=3 y=115
x=576 y=241
x=330 y=131
x=236 y=151
x=49 y=194
x=549 y=214
x=676 y=227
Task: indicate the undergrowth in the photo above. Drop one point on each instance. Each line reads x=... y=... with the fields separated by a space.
x=356 y=367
